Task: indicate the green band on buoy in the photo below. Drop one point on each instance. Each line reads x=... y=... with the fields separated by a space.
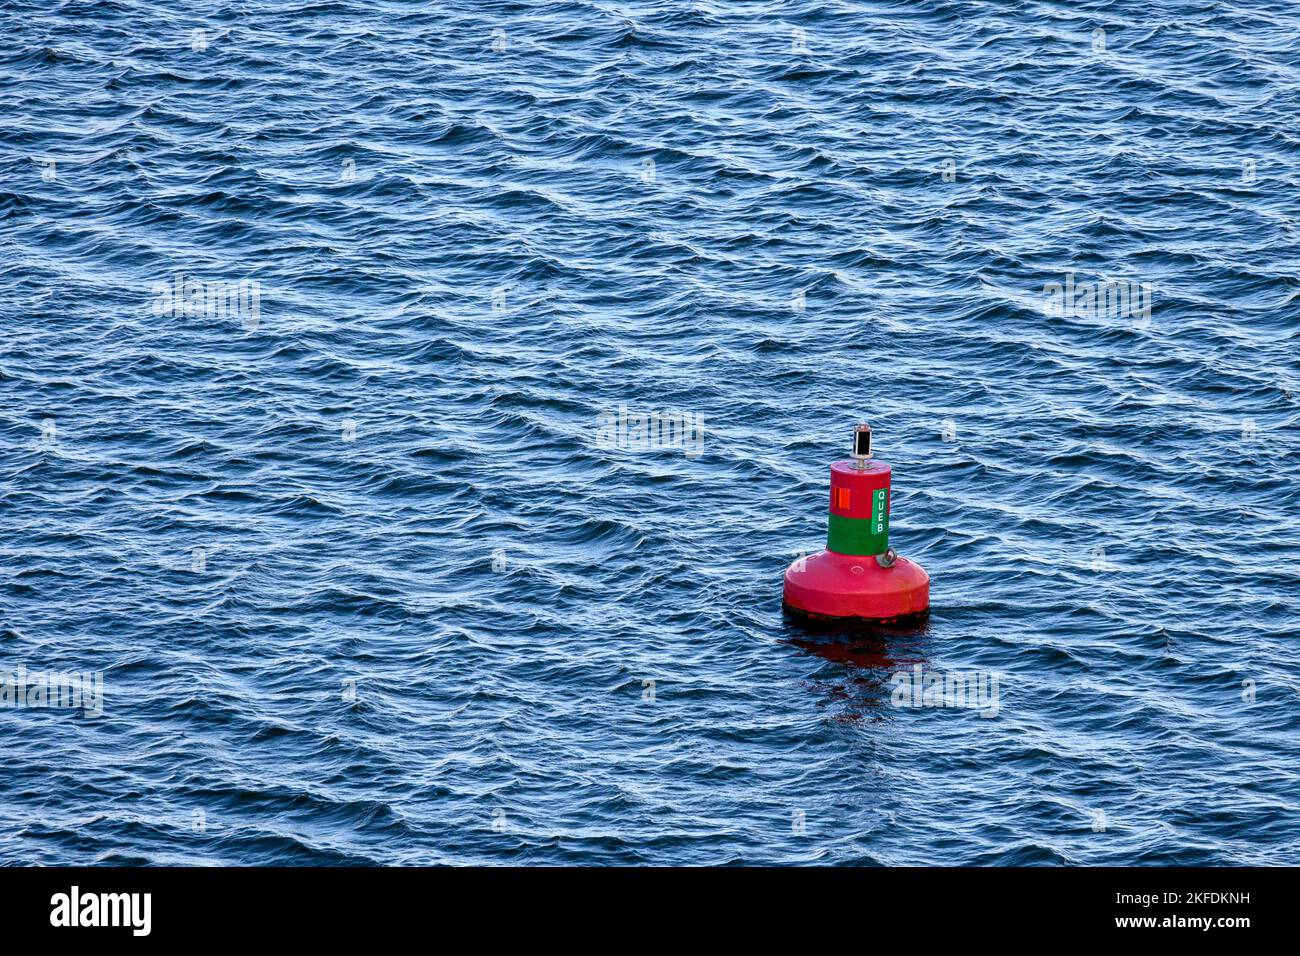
x=862 y=536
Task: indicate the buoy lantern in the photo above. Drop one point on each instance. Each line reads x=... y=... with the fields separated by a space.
x=858 y=575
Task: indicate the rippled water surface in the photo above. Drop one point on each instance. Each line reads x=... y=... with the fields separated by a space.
x=366 y=585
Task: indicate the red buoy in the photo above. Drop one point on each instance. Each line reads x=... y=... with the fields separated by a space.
x=858 y=575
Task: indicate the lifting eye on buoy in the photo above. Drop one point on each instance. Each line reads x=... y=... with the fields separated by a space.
x=839 y=582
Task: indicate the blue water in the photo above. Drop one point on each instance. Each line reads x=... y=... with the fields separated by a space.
x=366 y=586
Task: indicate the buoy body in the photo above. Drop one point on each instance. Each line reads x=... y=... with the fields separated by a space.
x=858 y=575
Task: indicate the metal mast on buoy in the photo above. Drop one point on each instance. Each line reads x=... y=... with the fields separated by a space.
x=858 y=575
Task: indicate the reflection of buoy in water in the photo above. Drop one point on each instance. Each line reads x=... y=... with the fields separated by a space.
x=858 y=575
